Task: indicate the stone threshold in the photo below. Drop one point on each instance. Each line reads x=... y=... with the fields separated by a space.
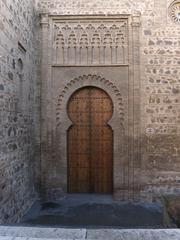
x=36 y=233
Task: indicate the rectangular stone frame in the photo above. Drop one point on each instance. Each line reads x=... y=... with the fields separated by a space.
x=51 y=187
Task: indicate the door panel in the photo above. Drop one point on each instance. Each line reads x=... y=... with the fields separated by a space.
x=90 y=142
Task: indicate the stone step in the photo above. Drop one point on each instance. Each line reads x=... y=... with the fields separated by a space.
x=35 y=233
x=134 y=234
x=43 y=233
x=25 y=238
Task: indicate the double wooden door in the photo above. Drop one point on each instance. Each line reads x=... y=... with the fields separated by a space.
x=90 y=142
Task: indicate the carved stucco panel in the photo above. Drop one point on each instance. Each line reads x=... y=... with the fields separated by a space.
x=94 y=41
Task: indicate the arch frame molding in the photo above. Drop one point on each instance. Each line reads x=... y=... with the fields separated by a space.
x=63 y=123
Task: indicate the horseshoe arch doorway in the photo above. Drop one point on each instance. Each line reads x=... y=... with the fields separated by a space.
x=90 y=142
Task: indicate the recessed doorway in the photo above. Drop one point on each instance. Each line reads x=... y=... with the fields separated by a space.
x=90 y=142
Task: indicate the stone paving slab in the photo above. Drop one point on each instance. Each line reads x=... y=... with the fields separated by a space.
x=114 y=234
x=24 y=233
x=46 y=233
x=25 y=238
x=6 y=238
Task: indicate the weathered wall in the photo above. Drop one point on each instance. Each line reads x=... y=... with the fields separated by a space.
x=159 y=172
x=19 y=103
x=159 y=169
x=160 y=57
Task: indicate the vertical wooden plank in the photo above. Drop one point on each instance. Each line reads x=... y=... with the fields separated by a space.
x=90 y=141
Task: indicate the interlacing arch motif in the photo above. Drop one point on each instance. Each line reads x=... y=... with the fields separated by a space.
x=91 y=42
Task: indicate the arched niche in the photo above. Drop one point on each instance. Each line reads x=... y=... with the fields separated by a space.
x=63 y=123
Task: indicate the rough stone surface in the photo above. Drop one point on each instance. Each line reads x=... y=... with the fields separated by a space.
x=19 y=93
x=172 y=210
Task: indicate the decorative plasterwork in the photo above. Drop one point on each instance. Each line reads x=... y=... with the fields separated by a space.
x=91 y=41
x=95 y=80
x=174 y=11
x=91 y=54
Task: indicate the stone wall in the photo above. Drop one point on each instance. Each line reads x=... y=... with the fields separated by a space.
x=159 y=171
x=156 y=167
x=19 y=107
x=160 y=57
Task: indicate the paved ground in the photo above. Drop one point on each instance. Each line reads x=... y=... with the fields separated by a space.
x=29 y=233
x=92 y=211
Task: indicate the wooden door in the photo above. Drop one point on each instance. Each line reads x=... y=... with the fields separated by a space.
x=90 y=142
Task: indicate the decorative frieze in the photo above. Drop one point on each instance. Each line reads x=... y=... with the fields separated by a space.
x=91 y=42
